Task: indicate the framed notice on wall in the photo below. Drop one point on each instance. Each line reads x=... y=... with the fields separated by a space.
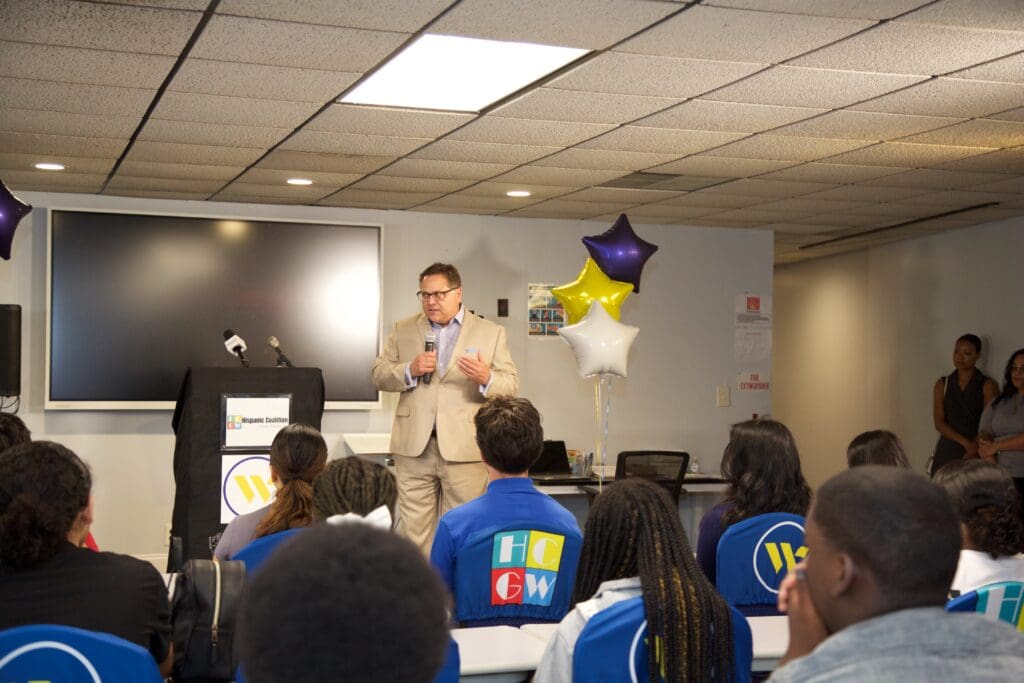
x=252 y=422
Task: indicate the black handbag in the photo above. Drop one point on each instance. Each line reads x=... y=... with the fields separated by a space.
x=205 y=608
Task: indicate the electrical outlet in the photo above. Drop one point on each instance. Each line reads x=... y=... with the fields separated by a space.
x=167 y=535
x=722 y=396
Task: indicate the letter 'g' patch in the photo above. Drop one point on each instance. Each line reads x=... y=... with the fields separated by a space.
x=524 y=567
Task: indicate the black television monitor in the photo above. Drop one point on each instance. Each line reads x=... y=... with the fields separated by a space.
x=136 y=299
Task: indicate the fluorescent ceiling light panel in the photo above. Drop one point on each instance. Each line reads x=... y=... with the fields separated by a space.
x=452 y=73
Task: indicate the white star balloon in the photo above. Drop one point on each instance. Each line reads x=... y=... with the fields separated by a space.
x=600 y=342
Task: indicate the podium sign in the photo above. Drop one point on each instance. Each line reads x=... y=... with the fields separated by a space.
x=253 y=421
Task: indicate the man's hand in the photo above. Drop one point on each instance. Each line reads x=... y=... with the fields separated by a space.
x=806 y=629
x=423 y=363
x=475 y=368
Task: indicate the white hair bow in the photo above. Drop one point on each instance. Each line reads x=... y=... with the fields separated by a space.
x=379 y=518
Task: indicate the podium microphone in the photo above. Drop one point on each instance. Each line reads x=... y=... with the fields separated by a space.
x=235 y=346
x=429 y=339
x=282 y=360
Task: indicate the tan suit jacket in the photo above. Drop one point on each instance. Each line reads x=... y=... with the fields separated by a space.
x=451 y=400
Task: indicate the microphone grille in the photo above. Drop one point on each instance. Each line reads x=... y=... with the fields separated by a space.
x=228 y=334
x=272 y=342
x=430 y=337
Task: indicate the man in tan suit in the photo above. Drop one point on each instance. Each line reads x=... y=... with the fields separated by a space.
x=433 y=438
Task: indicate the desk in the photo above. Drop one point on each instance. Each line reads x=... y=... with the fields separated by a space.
x=497 y=654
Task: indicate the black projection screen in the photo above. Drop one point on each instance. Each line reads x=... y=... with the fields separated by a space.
x=135 y=299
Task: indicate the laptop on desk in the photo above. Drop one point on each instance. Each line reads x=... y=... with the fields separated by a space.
x=552 y=467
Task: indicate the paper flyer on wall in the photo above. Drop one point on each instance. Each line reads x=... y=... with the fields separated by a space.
x=753 y=332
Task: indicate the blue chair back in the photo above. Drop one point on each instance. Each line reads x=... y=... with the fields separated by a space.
x=47 y=652
x=1003 y=601
x=449 y=673
x=255 y=553
x=754 y=556
x=515 y=574
x=613 y=646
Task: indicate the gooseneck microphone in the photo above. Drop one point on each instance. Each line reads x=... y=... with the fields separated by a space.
x=429 y=339
x=235 y=346
x=282 y=360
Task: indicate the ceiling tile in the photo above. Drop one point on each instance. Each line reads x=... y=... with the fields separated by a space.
x=660 y=140
x=902 y=48
x=351 y=143
x=951 y=199
x=73 y=165
x=905 y=154
x=190 y=185
x=630 y=74
x=954 y=97
x=819 y=88
x=156 y=169
x=619 y=195
x=592 y=24
x=489 y=152
x=406 y=123
x=1004 y=15
x=99 y=26
x=812 y=206
x=566 y=105
x=757 y=216
x=260 y=82
x=270 y=176
x=290 y=194
x=864 y=125
x=79 y=65
x=177 y=153
x=670 y=211
x=389 y=183
x=156 y=194
x=279 y=43
x=934 y=179
x=1002 y=161
x=867 y=193
x=740 y=36
x=544 y=175
x=560 y=208
x=831 y=173
x=727 y=116
x=50 y=145
x=482 y=205
x=711 y=200
x=604 y=159
x=328 y=163
x=1009 y=69
x=492 y=188
x=977 y=133
x=776 y=189
x=455 y=170
x=779 y=147
x=826 y=8
x=98 y=100
x=214 y=134
x=499 y=129
x=1004 y=184
x=184 y=106
x=849 y=220
x=61 y=123
x=702 y=165
x=383 y=15
x=390 y=200
x=25 y=181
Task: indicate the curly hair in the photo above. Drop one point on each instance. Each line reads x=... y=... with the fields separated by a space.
x=509 y=434
x=762 y=465
x=12 y=431
x=877 y=447
x=986 y=499
x=633 y=529
x=43 y=488
x=353 y=485
x=297 y=454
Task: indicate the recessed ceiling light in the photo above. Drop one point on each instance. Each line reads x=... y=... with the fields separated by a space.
x=48 y=166
x=453 y=73
x=518 y=193
x=300 y=181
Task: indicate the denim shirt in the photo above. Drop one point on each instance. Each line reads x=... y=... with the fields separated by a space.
x=920 y=644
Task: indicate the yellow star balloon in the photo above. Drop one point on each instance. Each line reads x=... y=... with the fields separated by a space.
x=592 y=285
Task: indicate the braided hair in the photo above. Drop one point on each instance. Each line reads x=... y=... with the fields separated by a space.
x=43 y=488
x=353 y=485
x=297 y=454
x=633 y=529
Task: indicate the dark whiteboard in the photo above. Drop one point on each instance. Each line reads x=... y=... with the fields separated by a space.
x=136 y=299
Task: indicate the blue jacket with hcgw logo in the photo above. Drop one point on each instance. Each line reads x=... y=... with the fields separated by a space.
x=509 y=555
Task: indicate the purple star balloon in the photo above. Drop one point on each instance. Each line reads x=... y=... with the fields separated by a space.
x=620 y=253
x=12 y=210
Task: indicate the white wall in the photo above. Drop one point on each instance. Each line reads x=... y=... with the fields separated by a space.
x=860 y=338
x=685 y=346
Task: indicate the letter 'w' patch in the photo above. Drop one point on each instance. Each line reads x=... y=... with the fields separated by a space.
x=524 y=567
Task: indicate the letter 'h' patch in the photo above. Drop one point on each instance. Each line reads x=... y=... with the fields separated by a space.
x=524 y=567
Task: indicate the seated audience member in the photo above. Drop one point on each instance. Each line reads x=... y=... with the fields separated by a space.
x=344 y=604
x=47 y=578
x=297 y=454
x=984 y=496
x=878 y=447
x=762 y=466
x=510 y=437
x=635 y=545
x=12 y=431
x=355 y=489
x=867 y=603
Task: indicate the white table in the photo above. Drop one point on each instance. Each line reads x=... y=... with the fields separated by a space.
x=497 y=654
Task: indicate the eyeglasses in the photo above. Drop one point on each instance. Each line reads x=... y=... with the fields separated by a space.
x=436 y=296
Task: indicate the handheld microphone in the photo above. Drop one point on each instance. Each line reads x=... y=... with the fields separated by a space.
x=282 y=360
x=235 y=346
x=429 y=339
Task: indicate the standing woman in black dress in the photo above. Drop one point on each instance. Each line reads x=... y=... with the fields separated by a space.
x=958 y=402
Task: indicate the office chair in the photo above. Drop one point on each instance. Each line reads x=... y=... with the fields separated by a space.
x=47 y=652
x=754 y=556
x=1003 y=601
x=666 y=468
